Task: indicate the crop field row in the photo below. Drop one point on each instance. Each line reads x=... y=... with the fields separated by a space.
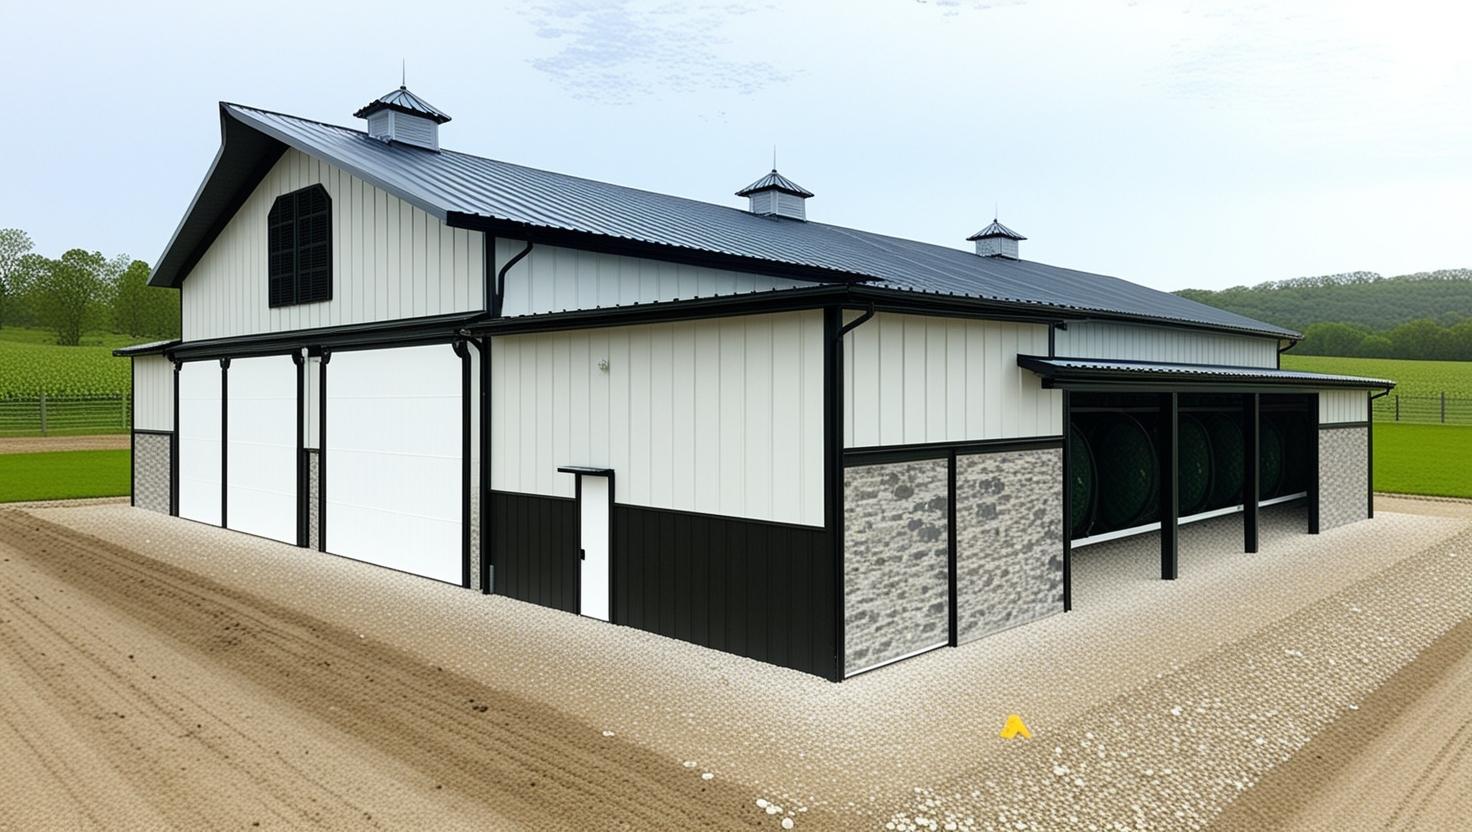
x=1412 y=378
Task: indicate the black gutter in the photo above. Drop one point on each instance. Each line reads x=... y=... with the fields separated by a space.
x=398 y=333
x=1074 y=378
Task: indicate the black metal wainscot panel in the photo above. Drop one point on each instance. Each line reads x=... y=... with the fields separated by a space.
x=534 y=544
x=761 y=590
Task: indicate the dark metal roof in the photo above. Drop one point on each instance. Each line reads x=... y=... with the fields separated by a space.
x=1064 y=372
x=775 y=181
x=996 y=229
x=405 y=102
x=151 y=348
x=472 y=191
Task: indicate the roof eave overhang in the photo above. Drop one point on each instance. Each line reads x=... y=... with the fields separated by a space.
x=1182 y=379
x=244 y=158
x=409 y=331
x=156 y=348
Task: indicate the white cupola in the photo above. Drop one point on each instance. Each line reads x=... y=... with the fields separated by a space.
x=776 y=195
x=997 y=240
x=401 y=116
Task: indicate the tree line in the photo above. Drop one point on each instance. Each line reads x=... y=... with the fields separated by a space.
x=1420 y=339
x=1363 y=299
x=81 y=291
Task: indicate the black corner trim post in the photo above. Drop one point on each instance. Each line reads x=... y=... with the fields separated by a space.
x=951 y=578
x=833 y=467
x=485 y=466
x=224 y=443
x=132 y=432
x=174 y=448
x=1067 y=452
x=300 y=360
x=1312 y=406
x=322 y=452
x=1170 y=487
x=462 y=349
x=1370 y=454
x=1251 y=454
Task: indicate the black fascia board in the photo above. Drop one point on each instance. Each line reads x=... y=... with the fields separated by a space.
x=629 y=247
x=766 y=301
x=346 y=336
x=1060 y=378
x=245 y=156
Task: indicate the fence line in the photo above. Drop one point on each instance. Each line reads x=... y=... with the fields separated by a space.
x=1439 y=409
x=65 y=415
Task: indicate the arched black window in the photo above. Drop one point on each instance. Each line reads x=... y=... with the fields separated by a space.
x=299 y=248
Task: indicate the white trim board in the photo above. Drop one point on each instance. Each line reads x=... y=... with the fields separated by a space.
x=1193 y=518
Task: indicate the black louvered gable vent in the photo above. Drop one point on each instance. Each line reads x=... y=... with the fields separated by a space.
x=299 y=247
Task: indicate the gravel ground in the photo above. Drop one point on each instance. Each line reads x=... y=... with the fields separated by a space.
x=42 y=444
x=1241 y=644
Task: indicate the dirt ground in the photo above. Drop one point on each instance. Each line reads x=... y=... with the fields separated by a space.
x=43 y=444
x=156 y=673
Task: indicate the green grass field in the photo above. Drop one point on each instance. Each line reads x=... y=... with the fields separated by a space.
x=1412 y=378
x=1435 y=460
x=31 y=364
x=63 y=475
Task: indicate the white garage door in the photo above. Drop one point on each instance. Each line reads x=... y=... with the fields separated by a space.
x=393 y=459
x=261 y=469
x=199 y=441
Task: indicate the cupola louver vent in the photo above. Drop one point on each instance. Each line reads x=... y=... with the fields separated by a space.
x=401 y=116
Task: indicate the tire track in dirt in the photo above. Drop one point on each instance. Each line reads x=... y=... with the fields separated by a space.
x=1280 y=799
x=44 y=638
x=520 y=759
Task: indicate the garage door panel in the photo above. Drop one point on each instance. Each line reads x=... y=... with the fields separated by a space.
x=200 y=441
x=262 y=486
x=393 y=445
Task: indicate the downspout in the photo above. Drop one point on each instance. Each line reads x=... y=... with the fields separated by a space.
x=833 y=393
x=499 y=298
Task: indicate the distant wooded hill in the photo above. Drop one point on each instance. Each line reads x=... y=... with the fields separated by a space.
x=1424 y=315
x=1365 y=299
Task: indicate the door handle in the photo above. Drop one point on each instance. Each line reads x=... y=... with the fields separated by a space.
x=582 y=554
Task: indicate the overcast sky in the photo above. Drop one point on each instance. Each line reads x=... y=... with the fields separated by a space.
x=1200 y=144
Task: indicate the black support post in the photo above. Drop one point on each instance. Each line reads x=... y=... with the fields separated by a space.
x=951 y=545
x=1170 y=475
x=224 y=442
x=1067 y=501
x=300 y=361
x=462 y=349
x=174 y=448
x=1311 y=403
x=322 y=451
x=1251 y=454
x=833 y=467
x=485 y=466
x=1369 y=455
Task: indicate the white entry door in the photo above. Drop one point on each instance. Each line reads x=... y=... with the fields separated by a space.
x=393 y=448
x=593 y=508
x=201 y=452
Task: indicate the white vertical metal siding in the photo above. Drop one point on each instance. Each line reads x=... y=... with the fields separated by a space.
x=1338 y=406
x=390 y=260
x=721 y=416
x=1134 y=342
x=555 y=279
x=910 y=379
x=153 y=393
x=312 y=409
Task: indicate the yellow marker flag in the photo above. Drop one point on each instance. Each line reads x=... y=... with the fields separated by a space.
x=1015 y=727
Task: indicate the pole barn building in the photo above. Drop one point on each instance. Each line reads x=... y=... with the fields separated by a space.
x=818 y=447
